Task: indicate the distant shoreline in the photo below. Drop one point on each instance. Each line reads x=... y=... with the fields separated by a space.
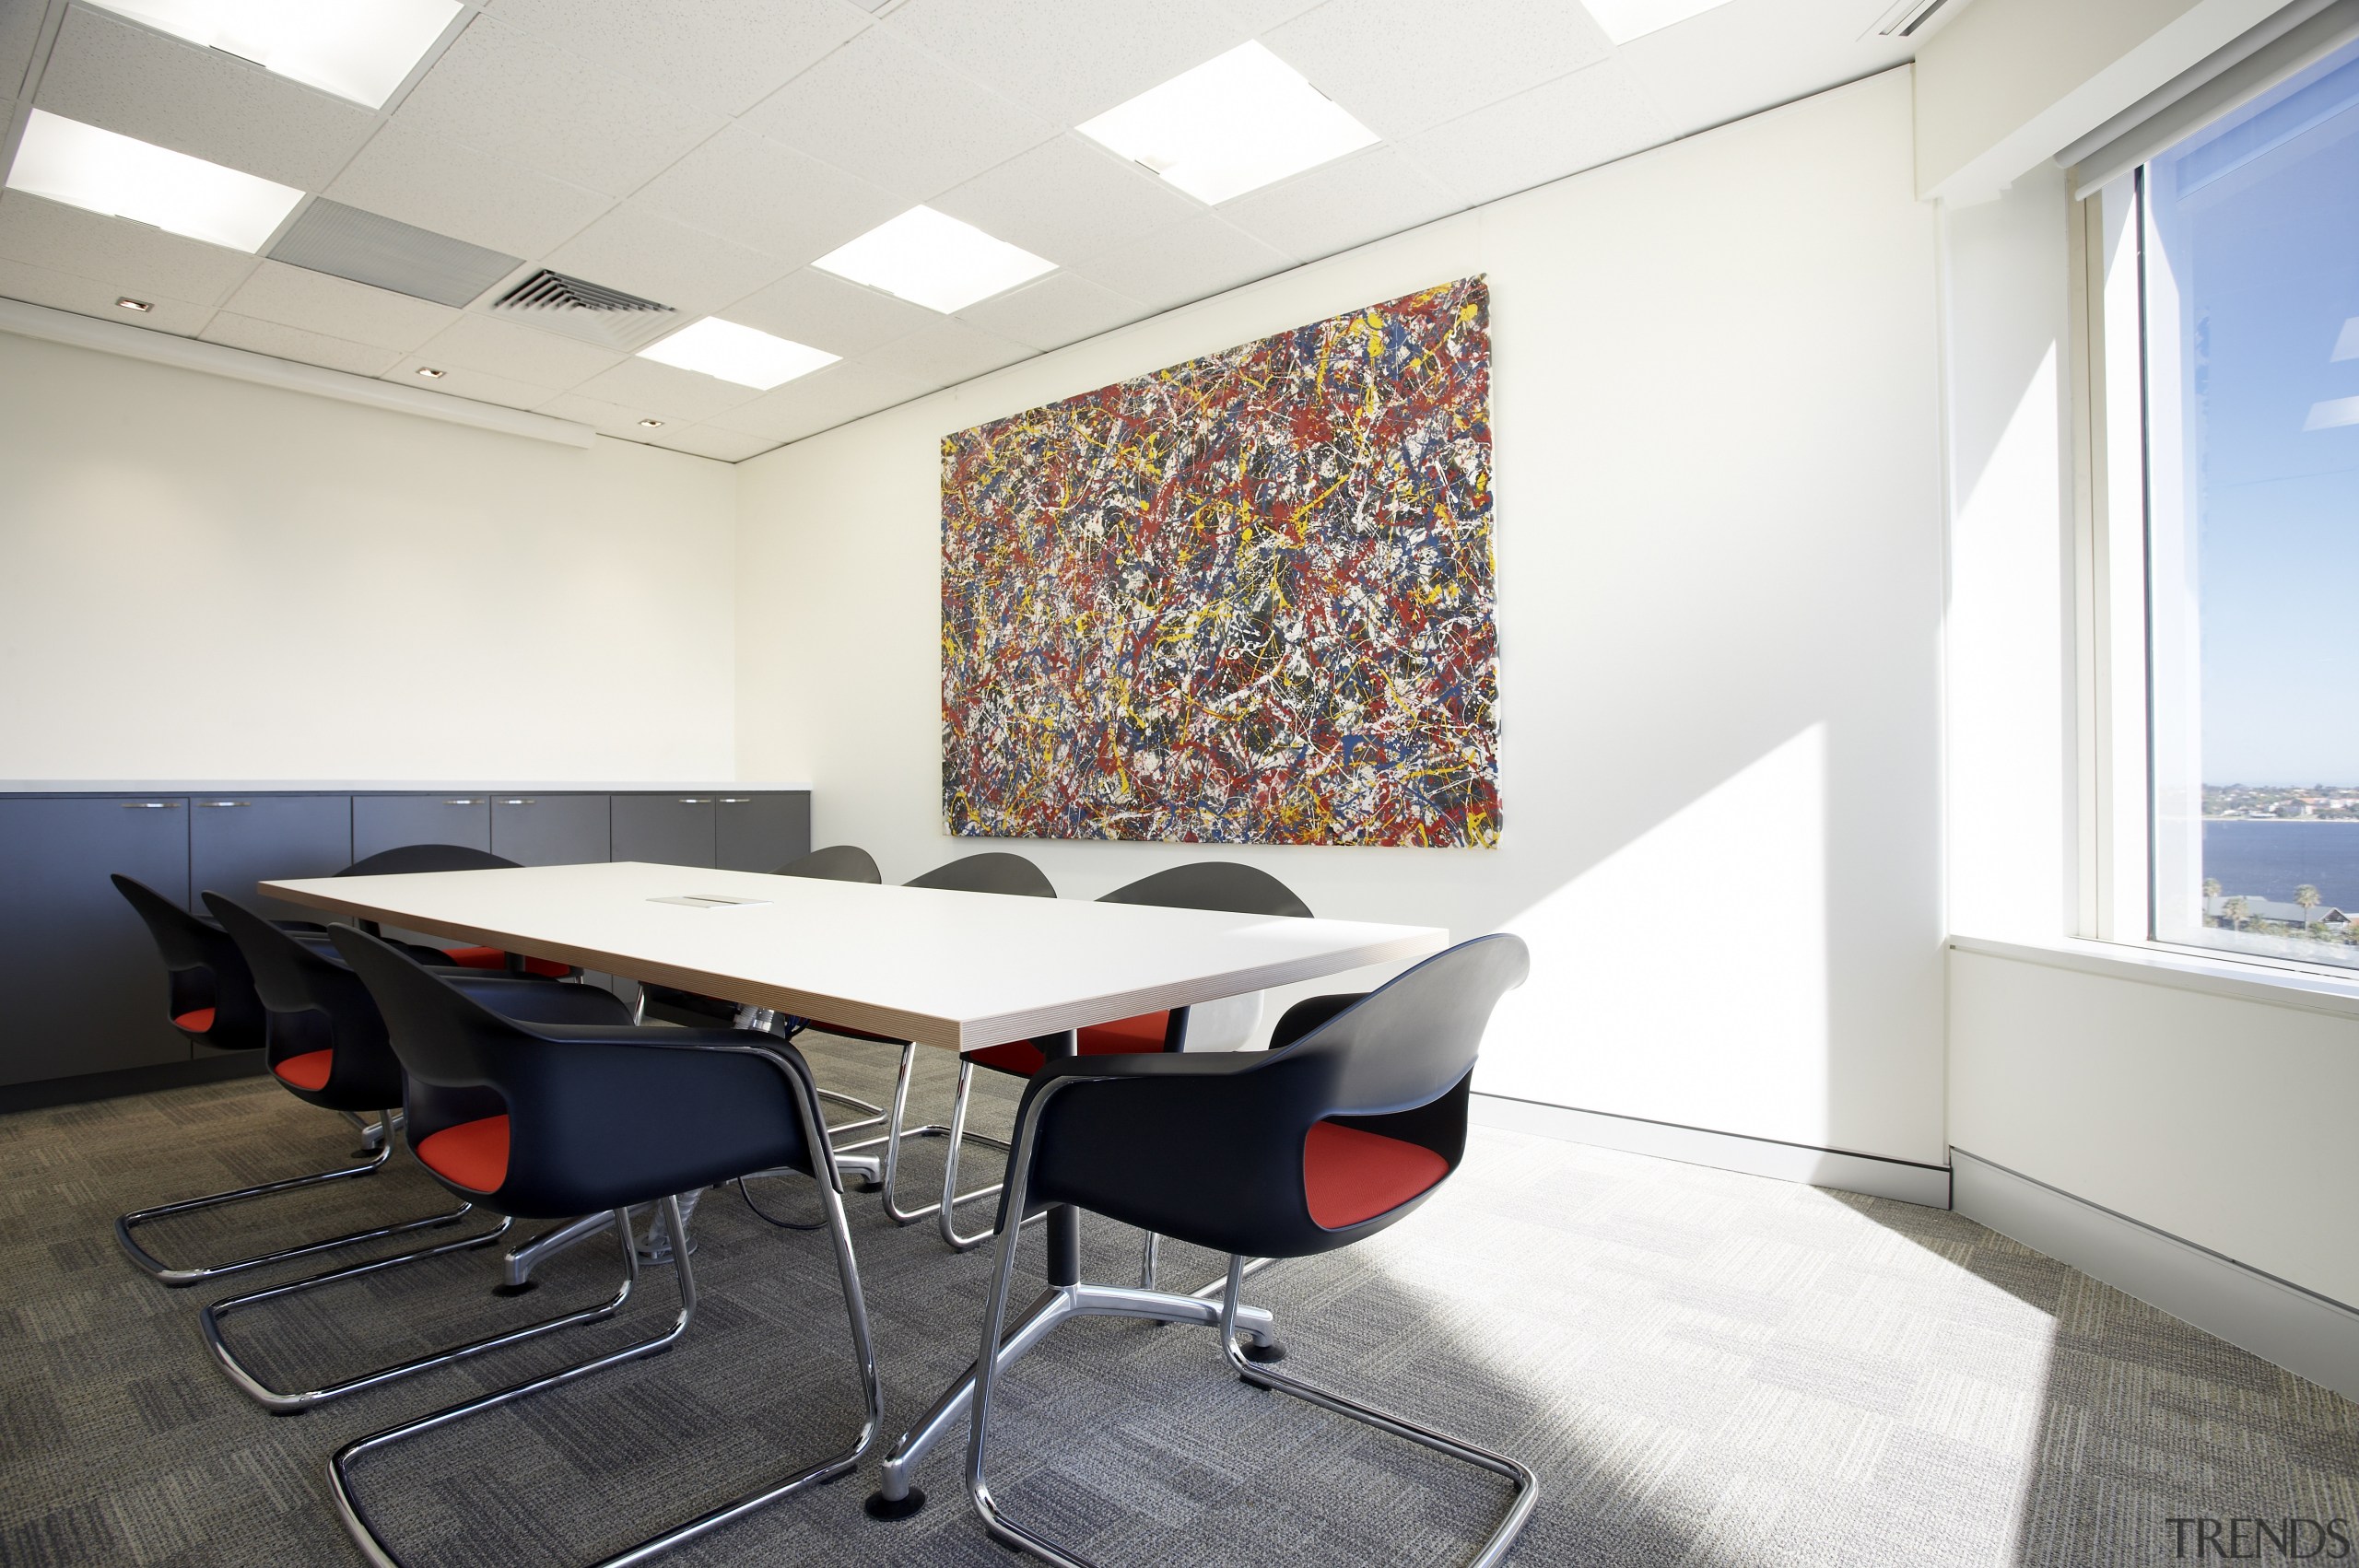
x=2293 y=821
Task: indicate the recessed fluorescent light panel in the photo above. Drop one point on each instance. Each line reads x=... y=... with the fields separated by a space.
x=1625 y=19
x=750 y=358
x=1233 y=124
x=360 y=50
x=103 y=172
x=931 y=258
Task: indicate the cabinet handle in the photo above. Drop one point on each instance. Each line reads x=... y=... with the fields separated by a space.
x=736 y=799
x=463 y=803
x=519 y=802
x=706 y=801
x=219 y=804
x=151 y=805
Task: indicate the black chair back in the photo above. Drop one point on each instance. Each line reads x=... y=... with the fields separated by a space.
x=408 y=858
x=994 y=870
x=837 y=862
x=203 y=969
x=1213 y=885
x=317 y=1003
x=1413 y=1039
x=600 y=1115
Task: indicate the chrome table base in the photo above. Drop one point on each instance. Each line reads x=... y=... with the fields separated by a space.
x=896 y=1496
x=153 y=1265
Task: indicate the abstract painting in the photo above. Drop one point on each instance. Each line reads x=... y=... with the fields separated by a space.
x=1243 y=600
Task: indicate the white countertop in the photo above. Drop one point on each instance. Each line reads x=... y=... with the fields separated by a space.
x=377 y=786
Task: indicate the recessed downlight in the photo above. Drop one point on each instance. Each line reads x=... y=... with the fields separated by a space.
x=102 y=171
x=1235 y=123
x=141 y=306
x=931 y=258
x=651 y=424
x=430 y=372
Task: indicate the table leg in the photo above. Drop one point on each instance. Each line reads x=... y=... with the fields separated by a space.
x=1064 y=1221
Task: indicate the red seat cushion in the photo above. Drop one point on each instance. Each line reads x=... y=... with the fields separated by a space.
x=493 y=958
x=1142 y=1035
x=198 y=1022
x=1350 y=1175
x=309 y=1070
x=474 y=1154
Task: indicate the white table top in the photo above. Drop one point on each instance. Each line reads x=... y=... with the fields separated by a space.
x=960 y=970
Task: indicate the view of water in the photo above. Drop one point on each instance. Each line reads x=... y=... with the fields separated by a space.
x=2269 y=860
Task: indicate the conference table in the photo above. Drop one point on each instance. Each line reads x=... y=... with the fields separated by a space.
x=959 y=971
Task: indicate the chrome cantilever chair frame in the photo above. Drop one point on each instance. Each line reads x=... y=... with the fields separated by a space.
x=1236 y=1324
x=381 y=1150
x=830 y=1185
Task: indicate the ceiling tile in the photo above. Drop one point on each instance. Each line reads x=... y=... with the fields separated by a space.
x=826 y=312
x=481 y=386
x=760 y=192
x=1067 y=198
x=1059 y=308
x=1337 y=205
x=726 y=54
x=833 y=396
x=133 y=257
x=19 y=32
x=1737 y=60
x=1583 y=120
x=87 y=296
x=606 y=418
x=115 y=74
x=666 y=391
x=297 y=297
x=711 y=441
x=282 y=342
x=1070 y=59
x=453 y=189
x=1402 y=65
x=898 y=118
x=1258 y=16
x=520 y=353
x=509 y=94
x=640 y=250
x=946 y=353
x=1188 y=261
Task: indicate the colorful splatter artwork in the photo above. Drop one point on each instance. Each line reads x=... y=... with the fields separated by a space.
x=1244 y=600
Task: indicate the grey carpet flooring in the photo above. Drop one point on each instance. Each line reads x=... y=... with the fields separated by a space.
x=1705 y=1369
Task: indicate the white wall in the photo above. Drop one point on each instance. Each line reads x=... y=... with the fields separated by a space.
x=1720 y=598
x=208 y=578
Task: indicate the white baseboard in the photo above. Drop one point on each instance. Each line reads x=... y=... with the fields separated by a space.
x=1929 y=1185
x=2308 y=1334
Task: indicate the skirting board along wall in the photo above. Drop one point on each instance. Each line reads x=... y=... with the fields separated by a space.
x=1878 y=1177
x=2308 y=1334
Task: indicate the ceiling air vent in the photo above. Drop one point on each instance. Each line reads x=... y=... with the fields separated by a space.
x=369 y=248
x=587 y=310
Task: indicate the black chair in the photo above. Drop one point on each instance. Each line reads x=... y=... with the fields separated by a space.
x=315 y=999
x=837 y=862
x=1347 y=1124
x=549 y=1121
x=212 y=1001
x=992 y=872
x=407 y=859
x=1200 y=884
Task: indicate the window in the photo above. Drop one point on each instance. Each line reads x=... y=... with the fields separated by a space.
x=2231 y=263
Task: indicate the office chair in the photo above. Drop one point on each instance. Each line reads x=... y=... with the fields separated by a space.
x=1350 y=1121
x=406 y=859
x=318 y=1003
x=837 y=862
x=1201 y=885
x=545 y=1120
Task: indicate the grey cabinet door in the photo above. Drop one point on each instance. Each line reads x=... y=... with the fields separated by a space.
x=550 y=830
x=760 y=833
x=85 y=987
x=388 y=822
x=235 y=841
x=673 y=830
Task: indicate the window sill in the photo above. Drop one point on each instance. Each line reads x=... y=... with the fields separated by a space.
x=2275 y=985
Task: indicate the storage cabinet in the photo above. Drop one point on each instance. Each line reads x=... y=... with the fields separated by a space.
x=86 y=991
x=388 y=822
x=760 y=833
x=550 y=830
x=674 y=830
